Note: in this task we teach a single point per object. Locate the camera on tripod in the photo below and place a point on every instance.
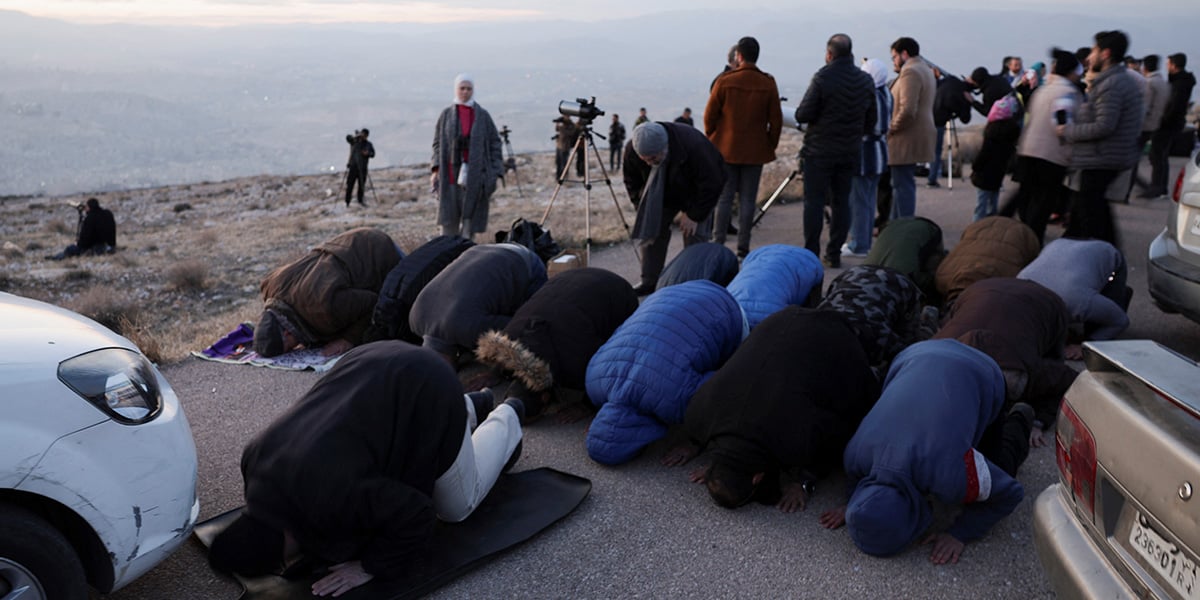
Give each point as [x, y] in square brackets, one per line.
[504, 131]
[584, 108]
[356, 136]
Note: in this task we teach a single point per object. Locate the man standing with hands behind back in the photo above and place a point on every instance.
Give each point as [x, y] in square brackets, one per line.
[743, 119]
[912, 135]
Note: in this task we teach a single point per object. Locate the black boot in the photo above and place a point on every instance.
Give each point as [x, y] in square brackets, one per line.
[484, 402]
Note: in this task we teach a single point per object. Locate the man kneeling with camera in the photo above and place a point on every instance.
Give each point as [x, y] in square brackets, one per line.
[97, 232]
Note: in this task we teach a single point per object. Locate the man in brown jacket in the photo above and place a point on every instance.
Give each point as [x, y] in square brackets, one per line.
[743, 119]
[912, 134]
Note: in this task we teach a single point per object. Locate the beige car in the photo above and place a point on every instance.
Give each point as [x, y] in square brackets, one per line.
[1122, 521]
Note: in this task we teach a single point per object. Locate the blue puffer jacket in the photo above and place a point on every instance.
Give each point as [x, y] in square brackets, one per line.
[773, 277]
[644, 376]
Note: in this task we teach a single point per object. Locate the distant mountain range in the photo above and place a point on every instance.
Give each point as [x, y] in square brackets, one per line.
[101, 107]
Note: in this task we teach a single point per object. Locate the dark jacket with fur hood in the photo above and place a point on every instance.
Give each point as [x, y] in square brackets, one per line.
[551, 338]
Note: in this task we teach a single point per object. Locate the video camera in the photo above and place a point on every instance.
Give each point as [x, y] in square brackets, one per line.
[584, 108]
[504, 131]
[356, 136]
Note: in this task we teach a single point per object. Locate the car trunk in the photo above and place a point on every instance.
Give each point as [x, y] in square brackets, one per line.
[1141, 404]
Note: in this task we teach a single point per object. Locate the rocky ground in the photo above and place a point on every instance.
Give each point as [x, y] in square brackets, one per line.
[191, 256]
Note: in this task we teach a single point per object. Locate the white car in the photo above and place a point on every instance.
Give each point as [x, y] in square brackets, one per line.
[1174, 259]
[97, 462]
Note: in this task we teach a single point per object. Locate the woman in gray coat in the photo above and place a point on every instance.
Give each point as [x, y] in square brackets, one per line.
[466, 162]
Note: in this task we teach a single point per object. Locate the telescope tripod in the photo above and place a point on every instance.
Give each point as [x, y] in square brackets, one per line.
[582, 144]
[510, 163]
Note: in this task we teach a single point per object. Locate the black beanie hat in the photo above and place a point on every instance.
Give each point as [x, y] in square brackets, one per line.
[247, 547]
[1065, 62]
[979, 75]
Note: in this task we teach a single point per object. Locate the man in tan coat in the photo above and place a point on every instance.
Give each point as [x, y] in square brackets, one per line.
[743, 119]
[912, 134]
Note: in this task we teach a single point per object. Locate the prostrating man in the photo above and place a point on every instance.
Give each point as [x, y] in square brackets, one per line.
[1089, 276]
[325, 298]
[361, 153]
[839, 108]
[358, 471]
[1174, 115]
[883, 307]
[670, 169]
[773, 428]
[924, 437]
[911, 134]
[1103, 137]
[743, 119]
[1022, 325]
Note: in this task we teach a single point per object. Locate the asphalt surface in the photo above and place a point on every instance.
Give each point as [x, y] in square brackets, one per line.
[645, 531]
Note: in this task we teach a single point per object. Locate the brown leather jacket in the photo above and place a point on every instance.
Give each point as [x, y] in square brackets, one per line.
[743, 118]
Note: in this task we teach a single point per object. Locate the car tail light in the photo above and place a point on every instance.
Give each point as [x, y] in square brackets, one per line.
[1178, 186]
[1075, 452]
[119, 382]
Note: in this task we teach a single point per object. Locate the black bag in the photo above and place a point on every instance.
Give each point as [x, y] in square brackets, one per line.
[532, 236]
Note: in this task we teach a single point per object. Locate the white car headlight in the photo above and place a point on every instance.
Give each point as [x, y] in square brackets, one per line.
[119, 382]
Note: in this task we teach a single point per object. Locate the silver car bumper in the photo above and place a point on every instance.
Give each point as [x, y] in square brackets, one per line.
[1074, 564]
[1174, 284]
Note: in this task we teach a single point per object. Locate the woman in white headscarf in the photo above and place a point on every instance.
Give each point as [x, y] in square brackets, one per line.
[467, 161]
[874, 161]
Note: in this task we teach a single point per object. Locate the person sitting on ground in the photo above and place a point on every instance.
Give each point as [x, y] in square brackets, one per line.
[926, 437]
[357, 472]
[913, 246]
[708, 260]
[1089, 276]
[642, 378]
[552, 336]
[97, 232]
[883, 307]
[774, 428]
[776, 276]
[1023, 327]
[990, 247]
[480, 291]
[325, 298]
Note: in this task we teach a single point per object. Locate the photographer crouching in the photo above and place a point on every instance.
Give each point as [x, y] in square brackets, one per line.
[97, 232]
[361, 151]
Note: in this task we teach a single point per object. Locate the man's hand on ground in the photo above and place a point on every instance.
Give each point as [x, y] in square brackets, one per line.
[794, 497]
[341, 579]
[680, 454]
[946, 548]
[833, 518]
[1073, 352]
[336, 347]
[699, 474]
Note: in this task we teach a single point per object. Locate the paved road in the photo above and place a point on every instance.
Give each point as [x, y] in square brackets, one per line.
[645, 531]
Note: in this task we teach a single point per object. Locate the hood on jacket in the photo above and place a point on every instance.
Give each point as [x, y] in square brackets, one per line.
[886, 514]
[499, 350]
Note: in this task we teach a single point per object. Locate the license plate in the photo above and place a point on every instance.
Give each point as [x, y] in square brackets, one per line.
[1175, 566]
[1196, 225]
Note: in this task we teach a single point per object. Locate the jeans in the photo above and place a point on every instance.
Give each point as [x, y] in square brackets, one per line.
[904, 191]
[863, 191]
[741, 180]
[827, 175]
[935, 167]
[480, 460]
[985, 203]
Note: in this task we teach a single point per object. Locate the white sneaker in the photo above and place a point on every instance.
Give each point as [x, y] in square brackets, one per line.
[846, 251]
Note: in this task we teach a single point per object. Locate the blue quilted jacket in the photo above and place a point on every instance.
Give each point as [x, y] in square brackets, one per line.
[773, 277]
[644, 376]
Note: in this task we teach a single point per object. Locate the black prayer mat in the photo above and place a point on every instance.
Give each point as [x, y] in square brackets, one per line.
[519, 506]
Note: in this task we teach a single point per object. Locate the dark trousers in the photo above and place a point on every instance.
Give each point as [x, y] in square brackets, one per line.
[355, 175]
[1091, 216]
[614, 157]
[827, 180]
[1006, 442]
[1038, 196]
[741, 181]
[654, 253]
[1160, 157]
[560, 161]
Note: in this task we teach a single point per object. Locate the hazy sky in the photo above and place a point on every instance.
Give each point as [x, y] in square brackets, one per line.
[234, 12]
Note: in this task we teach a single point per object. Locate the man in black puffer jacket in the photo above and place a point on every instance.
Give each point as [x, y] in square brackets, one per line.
[839, 108]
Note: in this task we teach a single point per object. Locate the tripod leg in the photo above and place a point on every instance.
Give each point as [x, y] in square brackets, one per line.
[342, 188]
[558, 188]
[617, 204]
[762, 211]
[371, 184]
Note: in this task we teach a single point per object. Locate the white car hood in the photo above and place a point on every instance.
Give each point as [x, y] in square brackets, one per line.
[34, 332]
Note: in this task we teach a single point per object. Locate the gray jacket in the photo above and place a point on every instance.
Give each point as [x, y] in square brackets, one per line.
[1158, 91]
[457, 204]
[1040, 139]
[1107, 127]
[1077, 270]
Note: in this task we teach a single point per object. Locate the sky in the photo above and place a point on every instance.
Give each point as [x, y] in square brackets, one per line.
[234, 12]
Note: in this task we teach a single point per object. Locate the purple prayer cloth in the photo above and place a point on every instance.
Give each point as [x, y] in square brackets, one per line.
[235, 342]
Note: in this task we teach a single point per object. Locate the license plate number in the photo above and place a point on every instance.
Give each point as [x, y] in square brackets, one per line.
[1168, 560]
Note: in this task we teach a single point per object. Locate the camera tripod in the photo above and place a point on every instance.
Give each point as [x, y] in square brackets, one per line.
[582, 144]
[798, 172]
[510, 160]
[951, 146]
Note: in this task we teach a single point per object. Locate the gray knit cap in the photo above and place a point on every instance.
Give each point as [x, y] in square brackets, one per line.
[649, 139]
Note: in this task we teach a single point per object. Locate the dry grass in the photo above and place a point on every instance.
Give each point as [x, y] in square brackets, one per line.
[188, 276]
[108, 307]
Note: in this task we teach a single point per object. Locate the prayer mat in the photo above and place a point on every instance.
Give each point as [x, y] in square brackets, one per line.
[236, 348]
[519, 506]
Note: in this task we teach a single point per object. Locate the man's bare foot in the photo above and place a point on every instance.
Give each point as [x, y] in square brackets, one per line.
[680, 454]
